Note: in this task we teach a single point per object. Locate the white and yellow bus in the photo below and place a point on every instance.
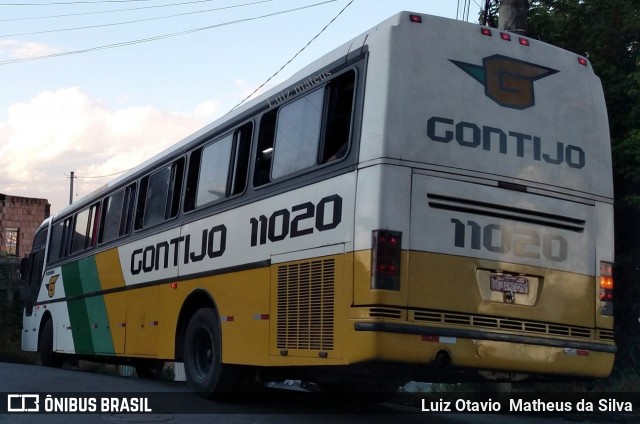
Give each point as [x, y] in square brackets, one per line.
[432, 200]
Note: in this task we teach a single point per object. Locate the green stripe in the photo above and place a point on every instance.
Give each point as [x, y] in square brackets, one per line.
[100, 332]
[88, 316]
[89, 275]
[80, 330]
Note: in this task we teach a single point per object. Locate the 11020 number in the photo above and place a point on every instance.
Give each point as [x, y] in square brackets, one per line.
[523, 242]
[301, 220]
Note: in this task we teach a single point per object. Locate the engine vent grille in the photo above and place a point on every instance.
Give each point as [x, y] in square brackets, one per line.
[378, 312]
[503, 324]
[605, 335]
[305, 311]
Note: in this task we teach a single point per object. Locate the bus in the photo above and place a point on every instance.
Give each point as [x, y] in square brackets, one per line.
[430, 201]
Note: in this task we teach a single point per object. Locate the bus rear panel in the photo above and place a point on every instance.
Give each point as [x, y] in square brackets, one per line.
[487, 157]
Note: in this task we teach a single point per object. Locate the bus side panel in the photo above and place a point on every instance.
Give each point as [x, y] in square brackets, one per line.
[111, 278]
[308, 306]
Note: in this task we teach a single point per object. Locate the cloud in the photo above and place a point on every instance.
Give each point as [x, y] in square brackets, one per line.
[66, 130]
[208, 110]
[24, 49]
[247, 89]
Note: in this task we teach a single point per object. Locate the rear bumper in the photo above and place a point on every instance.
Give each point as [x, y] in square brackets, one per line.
[422, 345]
[481, 335]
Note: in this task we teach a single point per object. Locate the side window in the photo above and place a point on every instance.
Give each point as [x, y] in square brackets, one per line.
[219, 170]
[111, 215]
[59, 240]
[84, 234]
[298, 134]
[214, 171]
[265, 148]
[159, 196]
[311, 130]
[339, 117]
[117, 212]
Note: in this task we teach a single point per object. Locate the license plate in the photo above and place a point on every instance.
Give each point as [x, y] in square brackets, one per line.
[508, 283]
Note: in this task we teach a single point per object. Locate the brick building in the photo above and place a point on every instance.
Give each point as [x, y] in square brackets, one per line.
[20, 217]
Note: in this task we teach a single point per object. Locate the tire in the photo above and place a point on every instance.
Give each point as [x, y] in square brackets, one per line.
[48, 357]
[150, 369]
[206, 375]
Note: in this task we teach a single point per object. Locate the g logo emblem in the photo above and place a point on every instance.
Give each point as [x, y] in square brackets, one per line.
[507, 81]
[51, 285]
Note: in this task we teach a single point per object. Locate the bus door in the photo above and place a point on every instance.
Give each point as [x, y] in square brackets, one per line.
[31, 272]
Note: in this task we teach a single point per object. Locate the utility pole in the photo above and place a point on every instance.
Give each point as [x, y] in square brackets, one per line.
[71, 187]
[512, 16]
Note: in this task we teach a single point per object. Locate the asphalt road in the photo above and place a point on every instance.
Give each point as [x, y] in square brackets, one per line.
[170, 399]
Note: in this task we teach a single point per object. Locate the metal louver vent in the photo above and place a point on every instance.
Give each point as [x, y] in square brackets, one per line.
[305, 317]
[505, 324]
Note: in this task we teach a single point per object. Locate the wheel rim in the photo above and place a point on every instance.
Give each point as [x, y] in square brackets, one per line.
[203, 358]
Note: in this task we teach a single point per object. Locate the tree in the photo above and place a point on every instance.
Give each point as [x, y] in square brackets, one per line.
[607, 32]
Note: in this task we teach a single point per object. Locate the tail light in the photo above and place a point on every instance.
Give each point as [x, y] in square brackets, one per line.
[606, 288]
[385, 259]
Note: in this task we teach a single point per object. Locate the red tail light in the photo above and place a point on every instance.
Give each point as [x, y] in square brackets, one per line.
[385, 259]
[606, 288]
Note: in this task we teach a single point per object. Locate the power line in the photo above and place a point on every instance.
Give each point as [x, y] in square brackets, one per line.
[134, 21]
[107, 11]
[73, 2]
[158, 37]
[294, 56]
[99, 176]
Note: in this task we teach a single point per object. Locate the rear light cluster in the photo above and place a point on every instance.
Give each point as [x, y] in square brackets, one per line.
[522, 40]
[606, 281]
[503, 35]
[385, 259]
[606, 287]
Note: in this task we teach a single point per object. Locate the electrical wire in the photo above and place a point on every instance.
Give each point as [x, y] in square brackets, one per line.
[294, 56]
[106, 11]
[134, 21]
[98, 176]
[60, 3]
[159, 37]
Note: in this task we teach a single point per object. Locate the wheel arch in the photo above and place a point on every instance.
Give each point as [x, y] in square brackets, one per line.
[45, 317]
[197, 299]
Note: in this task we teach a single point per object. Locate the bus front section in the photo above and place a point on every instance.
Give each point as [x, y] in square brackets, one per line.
[484, 209]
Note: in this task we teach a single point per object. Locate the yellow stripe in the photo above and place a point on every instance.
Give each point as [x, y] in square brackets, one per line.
[110, 275]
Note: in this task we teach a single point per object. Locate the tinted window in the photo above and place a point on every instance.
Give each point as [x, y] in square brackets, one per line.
[112, 214]
[214, 171]
[58, 242]
[308, 131]
[156, 197]
[80, 231]
[219, 170]
[84, 234]
[298, 134]
[159, 195]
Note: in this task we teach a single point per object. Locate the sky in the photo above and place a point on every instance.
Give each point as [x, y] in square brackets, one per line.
[71, 101]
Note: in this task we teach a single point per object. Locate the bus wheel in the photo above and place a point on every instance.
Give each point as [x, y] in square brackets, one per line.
[149, 368]
[48, 357]
[206, 375]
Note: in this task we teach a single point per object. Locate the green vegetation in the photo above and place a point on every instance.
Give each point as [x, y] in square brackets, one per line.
[607, 32]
